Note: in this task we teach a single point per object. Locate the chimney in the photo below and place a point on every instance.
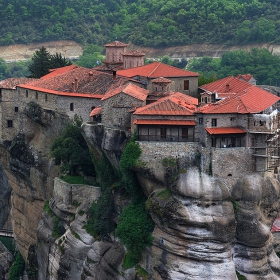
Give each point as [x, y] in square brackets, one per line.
[76, 84]
[73, 86]
[227, 87]
[90, 75]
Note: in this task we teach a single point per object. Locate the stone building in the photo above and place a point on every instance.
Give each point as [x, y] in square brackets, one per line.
[182, 80]
[248, 119]
[118, 103]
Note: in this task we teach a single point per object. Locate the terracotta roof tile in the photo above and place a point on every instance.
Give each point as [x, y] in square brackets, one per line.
[59, 71]
[96, 111]
[11, 83]
[130, 89]
[226, 86]
[62, 93]
[166, 122]
[155, 70]
[253, 100]
[225, 130]
[246, 77]
[175, 104]
[79, 80]
[116, 44]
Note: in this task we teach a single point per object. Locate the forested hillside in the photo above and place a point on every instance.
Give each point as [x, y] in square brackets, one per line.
[143, 22]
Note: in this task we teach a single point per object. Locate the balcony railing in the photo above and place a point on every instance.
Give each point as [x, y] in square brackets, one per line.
[166, 138]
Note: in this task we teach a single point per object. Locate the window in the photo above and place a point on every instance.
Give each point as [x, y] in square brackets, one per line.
[46, 97]
[26, 93]
[71, 106]
[163, 132]
[16, 109]
[186, 84]
[214, 122]
[200, 120]
[9, 123]
[184, 132]
[232, 119]
[36, 95]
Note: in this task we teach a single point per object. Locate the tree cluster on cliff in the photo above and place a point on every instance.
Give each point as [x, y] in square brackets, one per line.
[143, 22]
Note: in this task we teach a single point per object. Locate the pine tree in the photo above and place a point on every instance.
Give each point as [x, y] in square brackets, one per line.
[40, 64]
[42, 61]
[57, 60]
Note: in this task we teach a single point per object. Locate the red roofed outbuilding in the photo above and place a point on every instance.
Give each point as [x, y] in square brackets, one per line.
[181, 80]
[170, 118]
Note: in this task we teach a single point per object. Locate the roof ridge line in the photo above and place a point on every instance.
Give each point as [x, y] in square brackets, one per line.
[154, 69]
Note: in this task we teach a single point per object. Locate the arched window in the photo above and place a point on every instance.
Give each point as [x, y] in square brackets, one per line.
[71, 106]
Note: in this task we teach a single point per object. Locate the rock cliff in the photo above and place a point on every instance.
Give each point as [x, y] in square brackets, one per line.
[204, 227]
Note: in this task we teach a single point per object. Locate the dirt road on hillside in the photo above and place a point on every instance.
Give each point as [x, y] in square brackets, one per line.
[71, 49]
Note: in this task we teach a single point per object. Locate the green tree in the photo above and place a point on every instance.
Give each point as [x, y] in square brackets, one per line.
[57, 61]
[70, 151]
[134, 229]
[40, 63]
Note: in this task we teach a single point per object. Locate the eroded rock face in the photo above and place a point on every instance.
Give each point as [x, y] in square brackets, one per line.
[6, 260]
[30, 172]
[103, 261]
[195, 225]
[5, 194]
[256, 202]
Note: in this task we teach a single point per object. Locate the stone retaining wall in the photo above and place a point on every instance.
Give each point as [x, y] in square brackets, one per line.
[69, 193]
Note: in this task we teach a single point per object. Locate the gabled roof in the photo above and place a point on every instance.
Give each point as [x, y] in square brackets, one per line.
[59, 71]
[77, 79]
[155, 70]
[116, 44]
[11, 83]
[225, 130]
[252, 100]
[246, 77]
[226, 86]
[176, 104]
[130, 89]
[95, 111]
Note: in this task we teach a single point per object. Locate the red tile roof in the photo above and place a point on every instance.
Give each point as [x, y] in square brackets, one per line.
[133, 53]
[130, 89]
[166, 122]
[96, 111]
[246, 77]
[77, 79]
[175, 104]
[11, 83]
[116, 44]
[226, 85]
[62, 93]
[59, 71]
[253, 100]
[225, 130]
[155, 70]
[276, 225]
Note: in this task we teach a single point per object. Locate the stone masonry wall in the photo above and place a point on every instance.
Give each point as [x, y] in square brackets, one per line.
[231, 163]
[228, 164]
[117, 107]
[63, 191]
